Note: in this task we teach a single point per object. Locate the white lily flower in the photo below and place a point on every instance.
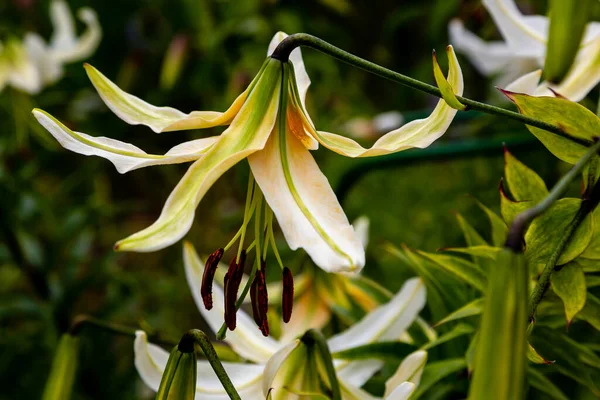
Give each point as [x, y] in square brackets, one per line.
[523, 52]
[269, 126]
[266, 355]
[32, 64]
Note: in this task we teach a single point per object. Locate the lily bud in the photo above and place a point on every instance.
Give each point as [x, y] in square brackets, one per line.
[568, 20]
[64, 366]
[209, 275]
[500, 363]
[232, 284]
[179, 378]
[287, 295]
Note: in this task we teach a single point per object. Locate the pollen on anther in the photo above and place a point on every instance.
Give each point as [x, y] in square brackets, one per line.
[208, 276]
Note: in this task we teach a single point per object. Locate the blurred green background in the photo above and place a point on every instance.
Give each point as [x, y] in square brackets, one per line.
[61, 212]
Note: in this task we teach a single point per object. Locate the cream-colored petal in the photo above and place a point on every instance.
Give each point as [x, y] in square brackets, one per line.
[125, 157]
[410, 370]
[361, 227]
[386, 322]
[419, 133]
[525, 35]
[302, 79]
[310, 312]
[274, 364]
[357, 372]
[352, 392]
[246, 339]
[402, 392]
[583, 76]
[305, 205]
[65, 46]
[151, 360]
[527, 83]
[21, 71]
[247, 134]
[135, 111]
[50, 70]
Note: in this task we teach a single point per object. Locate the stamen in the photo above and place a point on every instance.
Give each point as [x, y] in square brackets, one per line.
[207, 278]
[232, 285]
[263, 299]
[272, 237]
[287, 295]
[254, 301]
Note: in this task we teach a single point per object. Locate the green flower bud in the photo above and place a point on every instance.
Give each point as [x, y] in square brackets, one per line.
[179, 378]
[62, 374]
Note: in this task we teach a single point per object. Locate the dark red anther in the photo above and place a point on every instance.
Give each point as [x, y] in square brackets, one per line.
[287, 295]
[232, 285]
[254, 301]
[209, 275]
[263, 300]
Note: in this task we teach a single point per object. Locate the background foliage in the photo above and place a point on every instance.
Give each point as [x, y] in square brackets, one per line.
[60, 213]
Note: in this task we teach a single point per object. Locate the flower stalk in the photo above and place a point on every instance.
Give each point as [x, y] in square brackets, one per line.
[283, 50]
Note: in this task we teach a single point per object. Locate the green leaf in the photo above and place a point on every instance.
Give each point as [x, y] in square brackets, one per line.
[591, 311]
[470, 354]
[499, 228]
[573, 119]
[545, 385]
[472, 237]
[546, 232]
[460, 268]
[510, 208]
[592, 281]
[569, 284]
[488, 252]
[524, 184]
[457, 331]
[64, 367]
[393, 351]
[435, 372]
[592, 251]
[535, 357]
[468, 310]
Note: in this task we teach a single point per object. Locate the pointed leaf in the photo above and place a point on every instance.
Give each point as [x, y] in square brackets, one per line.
[545, 385]
[535, 357]
[569, 284]
[468, 310]
[435, 372]
[461, 268]
[458, 331]
[524, 184]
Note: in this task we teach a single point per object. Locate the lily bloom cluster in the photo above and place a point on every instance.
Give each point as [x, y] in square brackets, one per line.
[32, 64]
[521, 54]
[282, 368]
[270, 127]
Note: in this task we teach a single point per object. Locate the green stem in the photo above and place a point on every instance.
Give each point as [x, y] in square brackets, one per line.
[283, 50]
[517, 229]
[200, 338]
[313, 337]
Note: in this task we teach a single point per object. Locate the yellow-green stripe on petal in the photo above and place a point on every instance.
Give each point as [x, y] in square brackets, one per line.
[135, 111]
[247, 134]
[445, 88]
[124, 156]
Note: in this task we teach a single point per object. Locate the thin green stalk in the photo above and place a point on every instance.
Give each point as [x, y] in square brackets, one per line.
[286, 46]
[517, 228]
[313, 337]
[200, 338]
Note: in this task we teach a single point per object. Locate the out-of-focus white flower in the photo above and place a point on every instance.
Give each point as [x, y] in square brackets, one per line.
[269, 357]
[31, 64]
[365, 128]
[521, 54]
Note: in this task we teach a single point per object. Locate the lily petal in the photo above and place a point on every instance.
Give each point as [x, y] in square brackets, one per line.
[125, 157]
[151, 360]
[524, 34]
[402, 392]
[246, 339]
[21, 72]
[419, 133]
[410, 370]
[50, 70]
[305, 205]
[386, 322]
[247, 134]
[64, 44]
[527, 83]
[274, 364]
[583, 76]
[310, 312]
[136, 111]
[302, 79]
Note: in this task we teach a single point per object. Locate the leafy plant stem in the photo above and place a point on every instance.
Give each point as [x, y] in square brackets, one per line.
[283, 50]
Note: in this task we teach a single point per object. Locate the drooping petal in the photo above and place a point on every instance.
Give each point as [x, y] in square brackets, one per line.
[151, 360]
[527, 83]
[65, 46]
[350, 391]
[246, 339]
[125, 157]
[410, 370]
[525, 35]
[273, 366]
[310, 312]
[136, 111]
[402, 392]
[583, 76]
[247, 134]
[50, 70]
[419, 133]
[386, 322]
[305, 205]
[302, 79]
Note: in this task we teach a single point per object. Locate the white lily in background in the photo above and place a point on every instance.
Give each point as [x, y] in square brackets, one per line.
[32, 64]
[385, 323]
[268, 125]
[521, 54]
